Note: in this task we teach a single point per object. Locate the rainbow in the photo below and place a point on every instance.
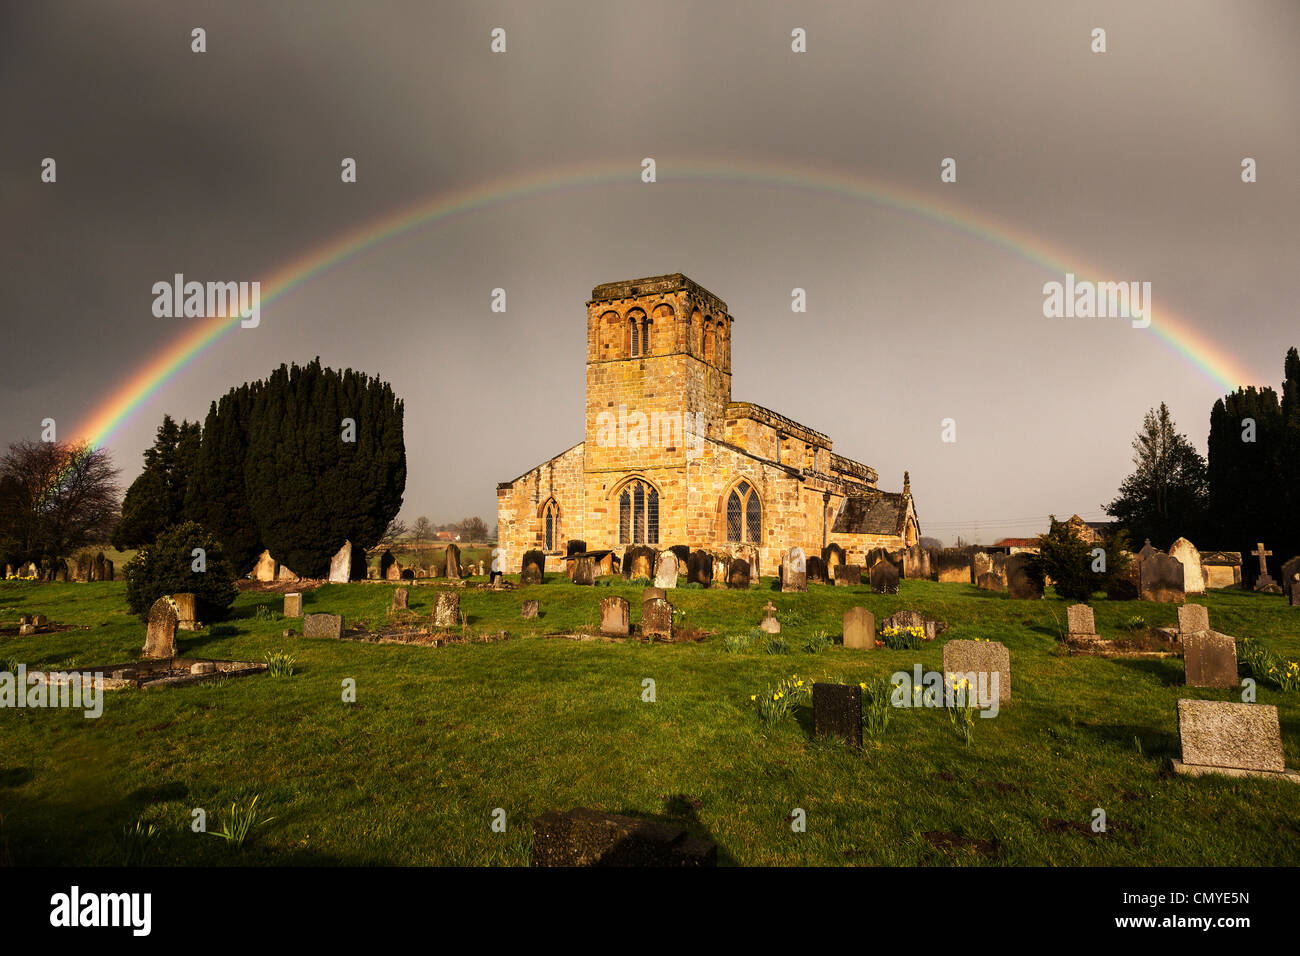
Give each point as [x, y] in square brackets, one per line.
[1176, 331]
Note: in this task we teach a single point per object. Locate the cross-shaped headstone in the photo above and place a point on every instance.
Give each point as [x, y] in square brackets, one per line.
[771, 611]
[1262, 554]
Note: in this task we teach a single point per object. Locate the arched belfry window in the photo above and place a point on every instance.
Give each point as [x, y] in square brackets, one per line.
[551, 525]
[638, 329]
[744, 515]
[638, 513]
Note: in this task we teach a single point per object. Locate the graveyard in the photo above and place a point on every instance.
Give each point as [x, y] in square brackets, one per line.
[536, 714]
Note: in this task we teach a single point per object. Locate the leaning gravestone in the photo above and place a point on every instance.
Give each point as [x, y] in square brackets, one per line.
[848, 575]
[341, 565]
[980, 657]
[884, 578]
[1193, 572]
[1162, 579]
[529, 610]
[815, 569]
[859, 629]
[160, 637]
[452, 565]
[293, 604]
[794, 570]
[738, 574]
[322, 625]
[614, 616]
[399, 599]
[187, 616]
[1021, 585]
[657, 619]
[446, 611]
[1238, 740]
[1210, 659]
[386, 564]
[584, 571]
[1193, 618]
[666, 570]
[585, 837]
[699, 568]
[533, 568]
[263, 570]
[1080, 621]
[837, 712]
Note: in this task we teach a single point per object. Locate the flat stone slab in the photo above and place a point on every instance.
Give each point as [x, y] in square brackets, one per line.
[980, 657]
[1218, 735]
[322, 625]
[586, 837]
[152, 674]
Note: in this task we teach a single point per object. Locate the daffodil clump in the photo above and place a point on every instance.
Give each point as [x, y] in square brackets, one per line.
[907, 638]
[960, 700]
[1266, 667]
[777, 703]
[876, 707]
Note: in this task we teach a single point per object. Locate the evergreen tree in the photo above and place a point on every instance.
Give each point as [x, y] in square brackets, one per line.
[1245, 499]
[217, 498]
[156, 499]
[1166, 495]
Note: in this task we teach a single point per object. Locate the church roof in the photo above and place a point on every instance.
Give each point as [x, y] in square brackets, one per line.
[882, 513]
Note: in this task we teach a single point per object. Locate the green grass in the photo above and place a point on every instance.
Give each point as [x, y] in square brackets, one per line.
[439, 738]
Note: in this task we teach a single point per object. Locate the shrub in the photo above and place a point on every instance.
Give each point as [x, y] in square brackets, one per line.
[1067, 559]
[167, 567]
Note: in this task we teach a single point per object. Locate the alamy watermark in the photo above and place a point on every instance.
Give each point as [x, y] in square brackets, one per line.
[657, 429]
[196, 300]
[919, 688]
[41, 689]
[1083, 299]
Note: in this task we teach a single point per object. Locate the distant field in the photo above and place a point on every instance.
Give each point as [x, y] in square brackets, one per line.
[439, 738]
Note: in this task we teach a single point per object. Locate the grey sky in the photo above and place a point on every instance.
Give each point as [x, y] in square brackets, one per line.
[225, 165]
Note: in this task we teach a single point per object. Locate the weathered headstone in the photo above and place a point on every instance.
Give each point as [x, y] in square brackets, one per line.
[657, 619]
[909, 618]
[264, 570]
[584, 572]
[860, 629]
[815, 570]
[1193, 572]
[884, 578]
[187, 615]
[848, 575]
[399, 599]
[533, 568]
[446, 610]
[452, 563]
[1162, 579]
[1289, 571]
[1264, 583]
[837, 712]
[699, 568]
[989, 581]
[1210, 659]
[1222, 568]
[1193, 618]
[284, 574]
[980, 657]
[738, 573]
[980, 563]
[794, 570]
[293, 604]
[585, 837]
[953, 566]
[389, 567]
[200, 668]
[747, 552]
[1021, 585]
[341, 565]
[97, 567]
[666, 570]
[832, 556]
[649, 593]
[1225, 737]
[614, 617]
[160, 637]
[529, 610]
[322, 625]
[1080, 621]
[769, 623]
[638, 562]
[1295, 590]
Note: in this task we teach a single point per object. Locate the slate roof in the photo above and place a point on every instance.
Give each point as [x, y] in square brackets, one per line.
[882, 513]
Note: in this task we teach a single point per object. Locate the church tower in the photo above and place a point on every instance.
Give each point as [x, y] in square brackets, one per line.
[658, 361]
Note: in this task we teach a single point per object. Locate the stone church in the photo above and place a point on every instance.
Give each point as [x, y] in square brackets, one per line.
[669, 459]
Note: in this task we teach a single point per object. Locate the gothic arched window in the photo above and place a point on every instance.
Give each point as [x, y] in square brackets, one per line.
[638, 514]
[744, 515]
[550, 525]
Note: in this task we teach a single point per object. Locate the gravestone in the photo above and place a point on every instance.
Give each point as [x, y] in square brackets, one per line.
[1021, 585]
[649, 593]
[1193, 572]
[916, 563]
[614, 618]
[584, 572]
[815, 570]
[980, 563]
[683, 554]
[1238, 740]
[533, 568]
[769, 623]
[837, 712]
[980, 657]
[187, 616]
[199, 668]
[1295, 590]
[908, 618]
[699, 568]
[721, 569]
[738, 574]
[860, 629]
[1192, 618]
[638, 562]
[530, 609]
[574, 546]
[160, 637]
[451, 564]
[1080, 621]
[1289, 572]
[1222, 568]
[341, 565]
[666, 570]
[293, 604]
[1210, 659]
[990, 582]
[747, 552]
[832, 557]
[322, 625]
[1161, 579]
[848, 575]
[263, 570]
[399, 599]
[884, 578]
[953, 566]
[446, 610]
[585, 837]
[794, 570]
[97, 567]
[1264, 583]
[386, 564]
[81, 569]
[284, 574]
[395, 571]
[657, 619]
